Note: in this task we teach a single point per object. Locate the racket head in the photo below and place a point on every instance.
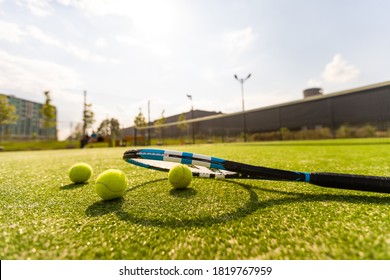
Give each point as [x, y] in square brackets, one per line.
[213, 167]
[163, 160]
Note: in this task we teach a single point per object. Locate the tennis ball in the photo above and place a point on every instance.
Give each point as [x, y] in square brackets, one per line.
[80, 172]
[180, 176]
[111, 184]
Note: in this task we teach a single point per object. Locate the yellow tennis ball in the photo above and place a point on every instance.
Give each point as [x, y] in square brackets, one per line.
[111, 184]
[80, 172]
[180, 176]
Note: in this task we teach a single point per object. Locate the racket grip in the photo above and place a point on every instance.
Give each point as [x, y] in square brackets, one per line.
[351, 182]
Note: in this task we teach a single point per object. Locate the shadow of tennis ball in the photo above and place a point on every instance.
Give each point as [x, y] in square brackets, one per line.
[183, 193]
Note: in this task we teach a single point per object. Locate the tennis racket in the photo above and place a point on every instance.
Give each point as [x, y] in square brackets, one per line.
[213, 167]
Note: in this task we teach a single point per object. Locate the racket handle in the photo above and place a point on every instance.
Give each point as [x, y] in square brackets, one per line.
[351, 182]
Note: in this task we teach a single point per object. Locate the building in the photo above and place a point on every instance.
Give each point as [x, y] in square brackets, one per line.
[368, 105]
[30, 123]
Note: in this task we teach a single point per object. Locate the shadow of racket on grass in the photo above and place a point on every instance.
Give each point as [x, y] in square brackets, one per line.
[101, 208]
[180, 193]
[252, 205]
[346, 197]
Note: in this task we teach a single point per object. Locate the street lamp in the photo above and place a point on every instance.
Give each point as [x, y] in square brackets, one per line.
[192, 116]
[243, 107]
[149, 137]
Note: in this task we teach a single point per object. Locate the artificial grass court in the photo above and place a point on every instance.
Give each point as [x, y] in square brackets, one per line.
[44, 216]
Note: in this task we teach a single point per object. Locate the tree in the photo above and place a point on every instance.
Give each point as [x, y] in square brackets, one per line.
[104, 128]
[109, 128]
[77, 133]
[7, 112]
[160, 130]
[140, 121]
[182, 125]
[48, 112]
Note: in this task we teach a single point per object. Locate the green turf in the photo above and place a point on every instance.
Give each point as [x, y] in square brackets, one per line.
[44, 216]
[45, 145]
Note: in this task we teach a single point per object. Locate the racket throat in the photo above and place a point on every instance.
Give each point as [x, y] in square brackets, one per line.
[264, 173]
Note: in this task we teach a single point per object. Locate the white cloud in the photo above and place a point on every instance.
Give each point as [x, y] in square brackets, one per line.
[336, 71]
[339, 70]
[237, 42]
[76, 51]
[33, 76]
[101, 43]
[15, 33]
[11, 32]
[97, 7]
[39, 8]
[153, 26]
[156, 48]
[150, 16]
[130, 41]
[314, 83]
[86, 55]
[38, 34]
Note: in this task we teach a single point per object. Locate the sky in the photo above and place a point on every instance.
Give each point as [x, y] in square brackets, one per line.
[126, 54]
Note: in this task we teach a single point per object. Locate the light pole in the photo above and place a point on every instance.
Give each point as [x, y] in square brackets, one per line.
[243, 107]
[192, 116]
[84, 112]
[149, 139]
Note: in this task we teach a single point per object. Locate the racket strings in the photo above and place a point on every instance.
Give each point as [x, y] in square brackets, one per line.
[197, 170]
[204, 166]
